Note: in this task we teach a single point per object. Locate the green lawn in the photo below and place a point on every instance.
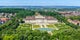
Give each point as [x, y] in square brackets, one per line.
[36, 26]
[24, 26]
[50, 26]
[62, 26]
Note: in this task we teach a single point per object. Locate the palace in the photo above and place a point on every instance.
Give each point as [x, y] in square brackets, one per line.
[39, 19]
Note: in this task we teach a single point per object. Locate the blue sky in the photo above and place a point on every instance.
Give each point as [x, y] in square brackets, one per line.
[39, 2]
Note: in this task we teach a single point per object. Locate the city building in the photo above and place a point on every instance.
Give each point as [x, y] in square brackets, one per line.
[3, 20]
[69, 13]
[76, 22]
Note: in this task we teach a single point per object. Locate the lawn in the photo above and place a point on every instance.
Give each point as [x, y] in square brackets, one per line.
[24, 26]
[36, 26]
[50, 26]
[62, 26]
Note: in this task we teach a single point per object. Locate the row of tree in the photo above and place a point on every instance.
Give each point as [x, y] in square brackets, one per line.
[75, 18]
[10, 10]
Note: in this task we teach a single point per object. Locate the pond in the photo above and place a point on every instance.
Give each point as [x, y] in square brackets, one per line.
[45, 29]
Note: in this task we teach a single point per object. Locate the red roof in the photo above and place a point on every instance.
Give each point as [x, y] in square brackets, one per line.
[4, 19]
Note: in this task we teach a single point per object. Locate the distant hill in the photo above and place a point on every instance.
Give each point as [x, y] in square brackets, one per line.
[39, 6]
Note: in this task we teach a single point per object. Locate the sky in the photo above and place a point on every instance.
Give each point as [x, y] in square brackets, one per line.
[39, 2]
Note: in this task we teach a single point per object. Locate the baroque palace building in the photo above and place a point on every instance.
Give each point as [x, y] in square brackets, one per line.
[39, 19]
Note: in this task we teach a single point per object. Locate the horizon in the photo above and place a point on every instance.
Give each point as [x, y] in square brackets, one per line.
[49, 6]
[39, 3]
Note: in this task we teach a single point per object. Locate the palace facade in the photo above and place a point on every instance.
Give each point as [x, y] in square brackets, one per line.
[39, 19]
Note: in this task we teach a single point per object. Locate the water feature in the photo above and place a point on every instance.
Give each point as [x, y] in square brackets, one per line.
[46, 29]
